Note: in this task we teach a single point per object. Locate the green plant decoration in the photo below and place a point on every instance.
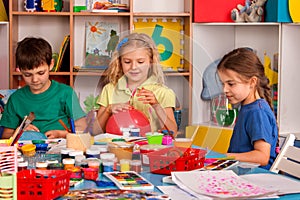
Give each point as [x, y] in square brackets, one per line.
[91, 103]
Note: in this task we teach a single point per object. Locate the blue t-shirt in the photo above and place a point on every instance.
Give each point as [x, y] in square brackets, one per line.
[255, 121]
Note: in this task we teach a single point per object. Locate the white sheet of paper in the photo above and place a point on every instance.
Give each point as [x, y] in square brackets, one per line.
[218, 184]
[285, 185]
[175, 193]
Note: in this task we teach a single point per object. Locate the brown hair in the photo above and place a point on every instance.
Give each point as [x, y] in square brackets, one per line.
[32, 52]
[246, 63]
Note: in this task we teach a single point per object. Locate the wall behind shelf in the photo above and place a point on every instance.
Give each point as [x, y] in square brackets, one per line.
[213, 40]
[4, 60]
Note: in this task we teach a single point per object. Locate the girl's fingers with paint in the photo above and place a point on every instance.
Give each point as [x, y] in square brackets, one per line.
[147, 97]
[121, 107]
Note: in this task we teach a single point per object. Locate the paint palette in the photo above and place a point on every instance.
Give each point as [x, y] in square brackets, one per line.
[129, 180]
[221, 164]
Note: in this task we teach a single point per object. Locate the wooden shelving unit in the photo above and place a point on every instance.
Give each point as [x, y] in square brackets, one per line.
[53, 26]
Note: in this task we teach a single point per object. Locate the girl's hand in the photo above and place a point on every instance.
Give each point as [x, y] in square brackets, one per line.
[147, 97]
[121, 107]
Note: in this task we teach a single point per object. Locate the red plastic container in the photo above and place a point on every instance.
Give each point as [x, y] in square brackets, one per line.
[146, 149]
[214, 10]
[171, 159]
[42, 184]
[90, 173]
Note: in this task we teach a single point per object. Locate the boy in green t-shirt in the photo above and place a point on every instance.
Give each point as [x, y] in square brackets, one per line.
[49, 100]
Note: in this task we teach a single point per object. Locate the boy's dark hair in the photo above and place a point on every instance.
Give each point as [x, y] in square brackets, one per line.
[32, 52]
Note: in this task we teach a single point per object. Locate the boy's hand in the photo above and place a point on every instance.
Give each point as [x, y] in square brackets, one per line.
[147, 97]
[56, 134]
[31, 127]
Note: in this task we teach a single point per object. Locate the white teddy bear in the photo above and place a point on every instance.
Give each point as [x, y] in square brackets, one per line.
[251, 12]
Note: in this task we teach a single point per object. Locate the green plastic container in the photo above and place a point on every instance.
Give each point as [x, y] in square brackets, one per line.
[154, 138]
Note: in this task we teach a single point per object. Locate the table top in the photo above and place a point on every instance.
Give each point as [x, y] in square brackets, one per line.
[156, 179]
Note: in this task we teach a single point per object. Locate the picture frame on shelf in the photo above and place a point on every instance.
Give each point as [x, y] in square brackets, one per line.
[101, 40]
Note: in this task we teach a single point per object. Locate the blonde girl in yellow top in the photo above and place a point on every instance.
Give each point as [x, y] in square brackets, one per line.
[136, 80]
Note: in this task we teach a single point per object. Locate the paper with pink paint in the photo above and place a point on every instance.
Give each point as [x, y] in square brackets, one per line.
[219, 184]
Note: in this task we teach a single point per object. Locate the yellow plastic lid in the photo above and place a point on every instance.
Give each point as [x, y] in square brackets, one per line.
[28, 147]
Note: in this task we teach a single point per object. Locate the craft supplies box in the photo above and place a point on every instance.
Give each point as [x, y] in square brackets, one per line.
[277, 11]
[8, 187]
[42, 184]
[171, 159]
[8, 159]
[214, 10]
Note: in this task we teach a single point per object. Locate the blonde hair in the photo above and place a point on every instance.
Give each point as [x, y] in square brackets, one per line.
[128, 44]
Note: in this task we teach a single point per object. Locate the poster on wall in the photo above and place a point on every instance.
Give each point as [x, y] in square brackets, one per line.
[168, 35]
[100, 41]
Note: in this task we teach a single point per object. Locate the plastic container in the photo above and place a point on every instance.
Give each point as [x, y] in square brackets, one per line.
[28, 149]
[154, 138]
[74, 153]
[167, 140]
[8, 187]
[124, 165]
[68, 163]
[76, 173]
[41, 147]
[42, 184]
[79, 159]
[108, 166]
[8, 159]
[90, 173]
[92, 153]
[122, 150]
[93, 163]
[146, 149]
[135, 132]
[65, 153]
[136, 165]
[107, 156]
[38, 141]
[22, 165]
[55, 166]
[171, 159]
[183, 142]
[41, 165]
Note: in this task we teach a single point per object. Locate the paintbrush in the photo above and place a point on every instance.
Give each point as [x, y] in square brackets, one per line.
[19, 131]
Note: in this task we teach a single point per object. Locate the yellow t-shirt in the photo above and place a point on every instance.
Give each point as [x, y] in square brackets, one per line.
[121, 94]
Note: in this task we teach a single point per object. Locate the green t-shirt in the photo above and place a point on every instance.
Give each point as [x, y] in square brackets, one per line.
[121, 94]
[58, 102]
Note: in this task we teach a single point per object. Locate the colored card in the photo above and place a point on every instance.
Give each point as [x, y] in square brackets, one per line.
[129, 180]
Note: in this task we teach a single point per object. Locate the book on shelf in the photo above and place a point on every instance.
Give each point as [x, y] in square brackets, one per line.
[168, 34]
[100, 42]
[63, 60]
[106, 6]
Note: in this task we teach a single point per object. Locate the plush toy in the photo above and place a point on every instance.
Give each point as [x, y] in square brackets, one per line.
[251, 12]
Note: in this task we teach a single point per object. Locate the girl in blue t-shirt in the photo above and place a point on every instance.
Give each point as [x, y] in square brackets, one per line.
[244, 82]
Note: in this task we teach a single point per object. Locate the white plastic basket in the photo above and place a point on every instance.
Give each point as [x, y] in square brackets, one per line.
[8, 159]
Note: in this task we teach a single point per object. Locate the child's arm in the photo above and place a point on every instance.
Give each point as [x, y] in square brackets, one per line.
[165, 115]
[80, 125]
[7, 133]
[100, 122]
[260, 154]
[166, 118]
